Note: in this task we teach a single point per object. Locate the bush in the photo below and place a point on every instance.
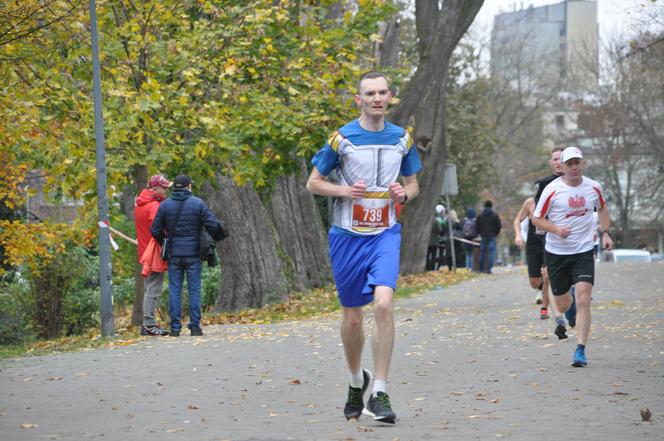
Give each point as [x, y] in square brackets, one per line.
[83, 299]
[123, 292]
[14, 313]
[64, 295]
[211, 277]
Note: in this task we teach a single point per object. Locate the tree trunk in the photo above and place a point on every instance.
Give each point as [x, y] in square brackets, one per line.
[49, 292]
[439, 30]
[295, 216]
[252, 272]
[387, 50]
[140, 180]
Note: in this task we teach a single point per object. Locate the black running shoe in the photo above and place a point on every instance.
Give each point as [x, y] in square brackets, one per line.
[355, 402]
[153, 330]
[379, 408]
[175, 332]
[560, 331]
[196, 331]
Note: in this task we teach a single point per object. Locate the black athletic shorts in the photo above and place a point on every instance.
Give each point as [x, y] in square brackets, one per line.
[568, 269]
[535, 259]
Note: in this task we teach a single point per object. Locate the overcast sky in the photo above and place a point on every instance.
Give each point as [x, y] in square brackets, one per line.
[615, 17]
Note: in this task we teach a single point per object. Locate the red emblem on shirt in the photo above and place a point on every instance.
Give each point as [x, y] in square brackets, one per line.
[577, 202]
[577, 205]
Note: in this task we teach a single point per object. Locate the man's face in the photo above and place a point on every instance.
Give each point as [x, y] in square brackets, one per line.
[574, 167]
[555, 164]
[374, 97]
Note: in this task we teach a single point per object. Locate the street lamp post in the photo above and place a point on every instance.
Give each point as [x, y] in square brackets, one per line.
[107, 322]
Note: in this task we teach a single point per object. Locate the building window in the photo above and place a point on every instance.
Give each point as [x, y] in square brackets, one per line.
[560, 122]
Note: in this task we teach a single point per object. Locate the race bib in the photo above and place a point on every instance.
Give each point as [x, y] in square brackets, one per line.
[371, 213]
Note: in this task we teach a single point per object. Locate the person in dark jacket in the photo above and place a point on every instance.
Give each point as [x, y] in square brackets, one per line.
[180, 218]
[435, 250]
[488, 226]
[469, 232]
[145, 210]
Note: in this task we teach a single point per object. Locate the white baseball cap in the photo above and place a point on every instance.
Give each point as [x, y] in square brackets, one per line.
[570, 153]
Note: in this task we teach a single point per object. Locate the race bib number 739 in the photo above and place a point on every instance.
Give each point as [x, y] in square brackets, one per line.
[371, 213]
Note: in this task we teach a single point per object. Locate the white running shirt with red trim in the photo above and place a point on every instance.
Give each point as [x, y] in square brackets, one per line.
[572, 206]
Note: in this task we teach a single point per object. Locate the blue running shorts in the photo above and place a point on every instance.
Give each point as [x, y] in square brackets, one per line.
[360, 263]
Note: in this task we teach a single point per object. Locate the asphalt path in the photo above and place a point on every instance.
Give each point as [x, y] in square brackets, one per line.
[471, 362]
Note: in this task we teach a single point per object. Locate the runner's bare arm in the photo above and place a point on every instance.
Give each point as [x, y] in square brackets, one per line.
[604, 225]
[412, 187]
[525, 210]
[318, 184]
[402, 193]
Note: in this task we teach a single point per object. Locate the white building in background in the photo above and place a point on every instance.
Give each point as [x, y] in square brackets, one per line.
[552, 53]
[548, 46]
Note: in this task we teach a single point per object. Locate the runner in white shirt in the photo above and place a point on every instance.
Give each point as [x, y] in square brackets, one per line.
[569, 202]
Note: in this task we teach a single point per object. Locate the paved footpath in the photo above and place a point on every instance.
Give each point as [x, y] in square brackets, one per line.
[471, 362]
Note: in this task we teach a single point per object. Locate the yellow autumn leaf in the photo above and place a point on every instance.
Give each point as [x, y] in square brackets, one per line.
[230, 67]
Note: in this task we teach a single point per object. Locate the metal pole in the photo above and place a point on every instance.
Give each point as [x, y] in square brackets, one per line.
[105, 274]
[449, 228]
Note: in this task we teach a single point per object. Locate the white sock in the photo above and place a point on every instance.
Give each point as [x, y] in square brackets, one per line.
[379, 386]
[357, 379]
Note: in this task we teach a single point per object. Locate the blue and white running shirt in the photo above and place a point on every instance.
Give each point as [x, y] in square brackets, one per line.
[376, 157]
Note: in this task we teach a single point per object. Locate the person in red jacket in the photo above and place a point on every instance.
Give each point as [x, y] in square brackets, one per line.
[145, 210]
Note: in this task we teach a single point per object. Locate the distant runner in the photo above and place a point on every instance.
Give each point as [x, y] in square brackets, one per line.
[565, 211]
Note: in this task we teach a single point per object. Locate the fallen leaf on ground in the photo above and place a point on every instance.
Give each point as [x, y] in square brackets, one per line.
[645, 414]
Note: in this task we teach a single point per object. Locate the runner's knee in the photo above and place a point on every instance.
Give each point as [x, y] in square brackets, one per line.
[583, 295]
[383, 307]
[352, 317]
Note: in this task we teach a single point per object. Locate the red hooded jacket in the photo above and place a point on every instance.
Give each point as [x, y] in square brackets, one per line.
[147, 204]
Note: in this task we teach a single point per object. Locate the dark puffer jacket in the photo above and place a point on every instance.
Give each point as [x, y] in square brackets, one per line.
[487, 223]
[186, 241]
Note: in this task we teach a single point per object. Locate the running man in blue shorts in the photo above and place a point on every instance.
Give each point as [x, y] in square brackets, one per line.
[368, 155]
[565, 211]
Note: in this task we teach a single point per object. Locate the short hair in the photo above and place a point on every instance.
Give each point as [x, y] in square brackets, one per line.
[488, 204]
[557, 149]
[369, 76]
